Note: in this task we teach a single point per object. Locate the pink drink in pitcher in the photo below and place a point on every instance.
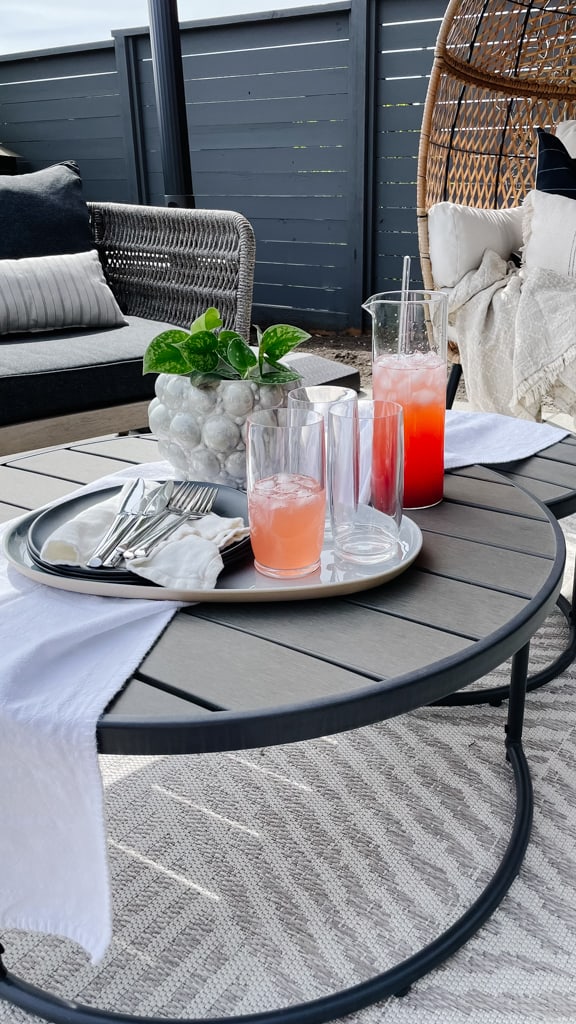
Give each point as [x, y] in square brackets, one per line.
[417, 381]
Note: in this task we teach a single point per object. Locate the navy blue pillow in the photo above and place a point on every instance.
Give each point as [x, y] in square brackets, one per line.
[43, 213]
[555, 170]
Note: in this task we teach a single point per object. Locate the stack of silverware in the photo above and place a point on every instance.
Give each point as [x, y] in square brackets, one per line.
[147, 517]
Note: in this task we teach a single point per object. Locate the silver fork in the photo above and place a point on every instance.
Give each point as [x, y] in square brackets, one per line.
[194, 501]
[183, 491]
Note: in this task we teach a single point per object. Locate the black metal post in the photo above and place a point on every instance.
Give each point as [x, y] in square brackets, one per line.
[170, 102]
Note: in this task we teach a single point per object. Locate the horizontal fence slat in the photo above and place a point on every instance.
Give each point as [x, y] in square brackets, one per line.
[328, 299]
[409, 35]
[303, 253]
[405, 64]
[327, 133]
[390, 170]
[76, 128]
[301, 230]
[282, 185]
[272, 162]
[235, 87]
[398, 92]
[402, 116]
[83, 107]
[50, 151]
[279, 31]
[47, 89]
[267, 112]
[327, 55]
[306, 277]
[393, 144]
[269, 313]
[395, 219]
[84, 62]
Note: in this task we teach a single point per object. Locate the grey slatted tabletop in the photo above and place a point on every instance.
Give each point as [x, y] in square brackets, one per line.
[227, 676]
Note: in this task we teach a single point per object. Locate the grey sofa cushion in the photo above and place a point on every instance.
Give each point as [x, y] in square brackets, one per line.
[43, 213]
[65, 372]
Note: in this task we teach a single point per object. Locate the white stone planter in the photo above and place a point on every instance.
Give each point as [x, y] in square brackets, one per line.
[202, 431]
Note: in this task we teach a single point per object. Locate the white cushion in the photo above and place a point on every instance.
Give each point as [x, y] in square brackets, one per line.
[566, 132]
[550, 232]
[47, 293]
[459, 236]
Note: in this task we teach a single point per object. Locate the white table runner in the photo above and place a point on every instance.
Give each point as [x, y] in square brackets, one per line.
[63, 659]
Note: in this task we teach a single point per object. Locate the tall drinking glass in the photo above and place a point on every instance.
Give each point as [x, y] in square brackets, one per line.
[409, 338]
[285, 463]
[321, 397]
[365, 483]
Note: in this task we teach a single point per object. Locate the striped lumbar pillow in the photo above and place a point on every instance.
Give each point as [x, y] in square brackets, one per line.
[47, 293]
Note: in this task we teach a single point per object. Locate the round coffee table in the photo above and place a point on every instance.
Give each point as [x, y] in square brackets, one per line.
[228, 676]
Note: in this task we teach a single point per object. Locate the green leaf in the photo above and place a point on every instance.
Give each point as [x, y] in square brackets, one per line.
[224, 339]
[241, 356]
[209, 320]
[278, 377]
[280, 339]
[163, 354]
[200, 379]
[200, 351]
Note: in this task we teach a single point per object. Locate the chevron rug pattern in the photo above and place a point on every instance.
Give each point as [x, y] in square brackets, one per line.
[250, 880]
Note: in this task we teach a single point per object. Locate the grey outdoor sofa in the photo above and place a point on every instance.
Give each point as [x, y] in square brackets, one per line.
[164, 266]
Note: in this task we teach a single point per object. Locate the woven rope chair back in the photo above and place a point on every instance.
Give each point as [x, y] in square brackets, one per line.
[501, 69]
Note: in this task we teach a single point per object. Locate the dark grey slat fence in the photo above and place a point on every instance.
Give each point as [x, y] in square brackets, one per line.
[307, 122]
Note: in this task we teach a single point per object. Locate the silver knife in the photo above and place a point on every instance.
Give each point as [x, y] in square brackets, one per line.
[133, 500]
[152, 515]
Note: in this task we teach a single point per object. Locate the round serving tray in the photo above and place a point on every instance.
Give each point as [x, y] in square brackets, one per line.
[237, 582]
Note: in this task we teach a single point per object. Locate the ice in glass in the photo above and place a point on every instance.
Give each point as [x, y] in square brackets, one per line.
[418, 383]
[286, 490]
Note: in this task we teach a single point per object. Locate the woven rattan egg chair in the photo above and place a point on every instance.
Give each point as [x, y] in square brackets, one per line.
[501, 68]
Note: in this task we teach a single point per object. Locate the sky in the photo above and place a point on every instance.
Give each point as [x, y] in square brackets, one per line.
[36, 24]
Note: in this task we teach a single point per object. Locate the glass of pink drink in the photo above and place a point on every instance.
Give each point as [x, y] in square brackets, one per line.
[409, 333]
[286, 490]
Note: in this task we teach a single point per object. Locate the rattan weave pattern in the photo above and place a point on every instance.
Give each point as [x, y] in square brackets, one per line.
[169, 264]
[501, 69]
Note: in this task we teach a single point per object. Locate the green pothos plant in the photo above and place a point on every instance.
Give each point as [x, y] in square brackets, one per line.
[208, 353]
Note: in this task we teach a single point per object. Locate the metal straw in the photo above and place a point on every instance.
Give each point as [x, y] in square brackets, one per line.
[404, 298]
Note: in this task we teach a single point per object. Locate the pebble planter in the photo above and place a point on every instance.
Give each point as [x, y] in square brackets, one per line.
[202, 431]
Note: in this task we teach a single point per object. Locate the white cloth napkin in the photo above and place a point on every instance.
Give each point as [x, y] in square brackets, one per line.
[486, 437]
[189, 559]
[64, 657]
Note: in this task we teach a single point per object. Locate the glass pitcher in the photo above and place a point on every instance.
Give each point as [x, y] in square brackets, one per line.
[409, 341]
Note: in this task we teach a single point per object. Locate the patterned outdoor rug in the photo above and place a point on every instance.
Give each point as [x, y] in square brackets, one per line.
[252, 880]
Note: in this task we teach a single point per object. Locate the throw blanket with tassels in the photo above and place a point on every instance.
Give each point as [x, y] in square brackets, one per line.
[516, 332]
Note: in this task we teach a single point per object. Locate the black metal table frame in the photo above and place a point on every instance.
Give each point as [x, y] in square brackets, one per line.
[302, 722]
